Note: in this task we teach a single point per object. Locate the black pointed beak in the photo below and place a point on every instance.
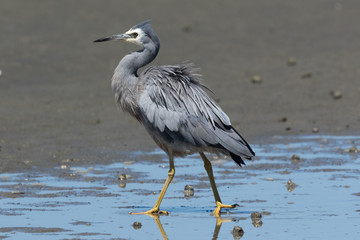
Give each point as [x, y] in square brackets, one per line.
[114, 37]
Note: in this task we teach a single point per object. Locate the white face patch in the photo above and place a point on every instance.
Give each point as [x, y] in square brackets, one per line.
[137, 35]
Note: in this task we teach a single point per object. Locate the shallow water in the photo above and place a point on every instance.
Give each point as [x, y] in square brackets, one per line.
[89, 202]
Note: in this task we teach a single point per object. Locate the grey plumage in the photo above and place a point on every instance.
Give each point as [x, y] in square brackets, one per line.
[171, 102]
[181, 116]
[174, 108]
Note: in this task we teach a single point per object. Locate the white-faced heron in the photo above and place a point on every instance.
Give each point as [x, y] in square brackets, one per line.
[171, 103]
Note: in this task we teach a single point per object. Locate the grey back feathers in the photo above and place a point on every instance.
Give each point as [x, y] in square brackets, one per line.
[174, 103]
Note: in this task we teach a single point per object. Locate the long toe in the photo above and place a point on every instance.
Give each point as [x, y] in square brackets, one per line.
[219, 206]
[152, 212]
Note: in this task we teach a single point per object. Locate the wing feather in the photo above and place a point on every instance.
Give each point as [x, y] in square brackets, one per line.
[173, 101]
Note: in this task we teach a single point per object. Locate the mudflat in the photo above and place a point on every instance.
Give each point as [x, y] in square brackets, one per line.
[276, 67]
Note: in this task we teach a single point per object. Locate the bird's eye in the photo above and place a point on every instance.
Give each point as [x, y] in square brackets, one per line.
[134, 35]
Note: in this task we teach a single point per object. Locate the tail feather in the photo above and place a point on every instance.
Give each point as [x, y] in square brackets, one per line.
[236, 145]
[237, 159]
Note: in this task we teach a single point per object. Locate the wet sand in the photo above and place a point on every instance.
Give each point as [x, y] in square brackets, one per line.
[56, 101]
[312, 196]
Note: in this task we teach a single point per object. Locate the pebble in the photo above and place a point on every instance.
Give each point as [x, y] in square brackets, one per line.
[257, 222]
[67, 160]
[17, 192]
[256, 219]
[266, 213]
[269, 179]
[282, 119]
[137, 225]
[295, 159]
[315, 130]
[122, 177]
[64, 167]
[353, 149]
[188, 191]
[27, 162]
[256, 215]
[336, 94]
[285, 172]
[237, 232]
[128, 162]
[306, 75]
[290, 185]
[256, 79]
[81, 171]
[291, 61]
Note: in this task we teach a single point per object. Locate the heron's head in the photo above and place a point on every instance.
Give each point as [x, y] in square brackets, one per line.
[139, 34]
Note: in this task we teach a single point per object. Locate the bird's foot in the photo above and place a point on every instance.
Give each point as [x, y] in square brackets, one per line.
[153, 211]
[219, 206]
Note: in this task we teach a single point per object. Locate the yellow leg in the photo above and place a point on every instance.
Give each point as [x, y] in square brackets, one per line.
[219, 205]
[171, 173]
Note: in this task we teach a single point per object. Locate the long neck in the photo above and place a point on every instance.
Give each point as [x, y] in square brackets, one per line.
[125, 79]
[130, 64]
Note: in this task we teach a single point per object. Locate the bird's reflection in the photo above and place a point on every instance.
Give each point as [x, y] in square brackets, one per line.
[218, 224]
[159, 225]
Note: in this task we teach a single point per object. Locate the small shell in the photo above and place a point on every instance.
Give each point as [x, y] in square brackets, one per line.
[237, 232]
[290, 185]
[122, 177]
[256, 79]
[315, 130]
[336, 94]
[137, 225]
[353, 149]
[188, 191]
[291, 61]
